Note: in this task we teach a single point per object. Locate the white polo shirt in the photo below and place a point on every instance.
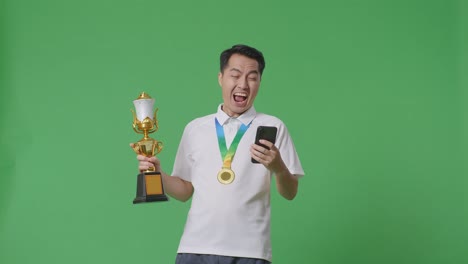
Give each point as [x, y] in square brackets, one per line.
[234, 219]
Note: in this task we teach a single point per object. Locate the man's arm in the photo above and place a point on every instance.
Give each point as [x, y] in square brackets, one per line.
[174, 186]
[286, 183]
[180, 189]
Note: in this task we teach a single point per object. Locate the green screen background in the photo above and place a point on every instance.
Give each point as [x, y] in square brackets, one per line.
[374, 94]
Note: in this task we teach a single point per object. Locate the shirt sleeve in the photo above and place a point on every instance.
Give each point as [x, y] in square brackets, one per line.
[288, 152]
[182, 162]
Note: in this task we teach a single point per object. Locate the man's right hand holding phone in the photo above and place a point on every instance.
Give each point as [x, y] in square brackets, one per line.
[269, 155]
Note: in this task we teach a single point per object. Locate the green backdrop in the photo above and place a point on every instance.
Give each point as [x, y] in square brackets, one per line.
[374, 94]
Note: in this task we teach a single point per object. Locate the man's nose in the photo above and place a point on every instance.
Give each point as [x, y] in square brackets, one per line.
[242, 83]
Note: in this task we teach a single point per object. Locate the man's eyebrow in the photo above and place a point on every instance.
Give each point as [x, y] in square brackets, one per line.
[237, 70]
[250, 72]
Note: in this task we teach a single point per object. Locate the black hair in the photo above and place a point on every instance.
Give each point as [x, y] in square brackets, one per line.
[244, 50]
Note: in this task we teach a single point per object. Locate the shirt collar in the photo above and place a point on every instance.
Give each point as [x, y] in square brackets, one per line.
[245, 118]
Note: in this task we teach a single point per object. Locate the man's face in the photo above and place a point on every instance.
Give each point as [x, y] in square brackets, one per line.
[239, 82]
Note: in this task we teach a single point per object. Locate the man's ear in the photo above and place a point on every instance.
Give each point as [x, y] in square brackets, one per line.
[220, 76]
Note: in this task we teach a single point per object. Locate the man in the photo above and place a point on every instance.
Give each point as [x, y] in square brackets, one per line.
[229, 218]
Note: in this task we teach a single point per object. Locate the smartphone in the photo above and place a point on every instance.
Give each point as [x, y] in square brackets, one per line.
[267, 133]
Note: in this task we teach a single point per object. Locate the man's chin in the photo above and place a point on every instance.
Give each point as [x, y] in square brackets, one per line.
[235, 109]
[241, 110]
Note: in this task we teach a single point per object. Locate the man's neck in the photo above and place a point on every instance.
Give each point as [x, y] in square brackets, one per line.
[234, 115]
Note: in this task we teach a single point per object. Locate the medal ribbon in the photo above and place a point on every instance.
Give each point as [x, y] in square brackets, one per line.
[228, 155]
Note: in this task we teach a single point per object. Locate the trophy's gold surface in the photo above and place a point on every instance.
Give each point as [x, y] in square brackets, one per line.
[149, 186]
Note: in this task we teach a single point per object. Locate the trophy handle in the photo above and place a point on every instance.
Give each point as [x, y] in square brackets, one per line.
[157, 147]
[156, 126]
[155, 123]
[136, 130]
[135, 123]
[136, 148]
[134, 116]
[154, 129]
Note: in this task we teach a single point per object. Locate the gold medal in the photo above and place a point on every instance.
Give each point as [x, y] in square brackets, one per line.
[226, 176]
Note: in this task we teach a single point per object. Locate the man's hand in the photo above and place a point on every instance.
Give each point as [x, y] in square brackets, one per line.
[270, 158]
[144, 163]
[286, 183]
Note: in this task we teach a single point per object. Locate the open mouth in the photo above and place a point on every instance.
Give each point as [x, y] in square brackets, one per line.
[240, 97]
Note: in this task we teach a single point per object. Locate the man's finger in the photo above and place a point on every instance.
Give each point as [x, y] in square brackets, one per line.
[142, 158]
[266, 143]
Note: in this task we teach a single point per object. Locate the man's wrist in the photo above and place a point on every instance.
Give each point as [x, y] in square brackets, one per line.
[282, 171]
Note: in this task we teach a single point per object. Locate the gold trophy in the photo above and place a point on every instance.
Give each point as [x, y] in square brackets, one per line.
[149, 183]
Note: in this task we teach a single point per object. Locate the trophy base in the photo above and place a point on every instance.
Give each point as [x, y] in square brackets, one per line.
[150, 188]
[150, 198]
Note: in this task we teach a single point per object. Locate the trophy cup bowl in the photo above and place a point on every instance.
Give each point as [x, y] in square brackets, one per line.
[149, 183]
